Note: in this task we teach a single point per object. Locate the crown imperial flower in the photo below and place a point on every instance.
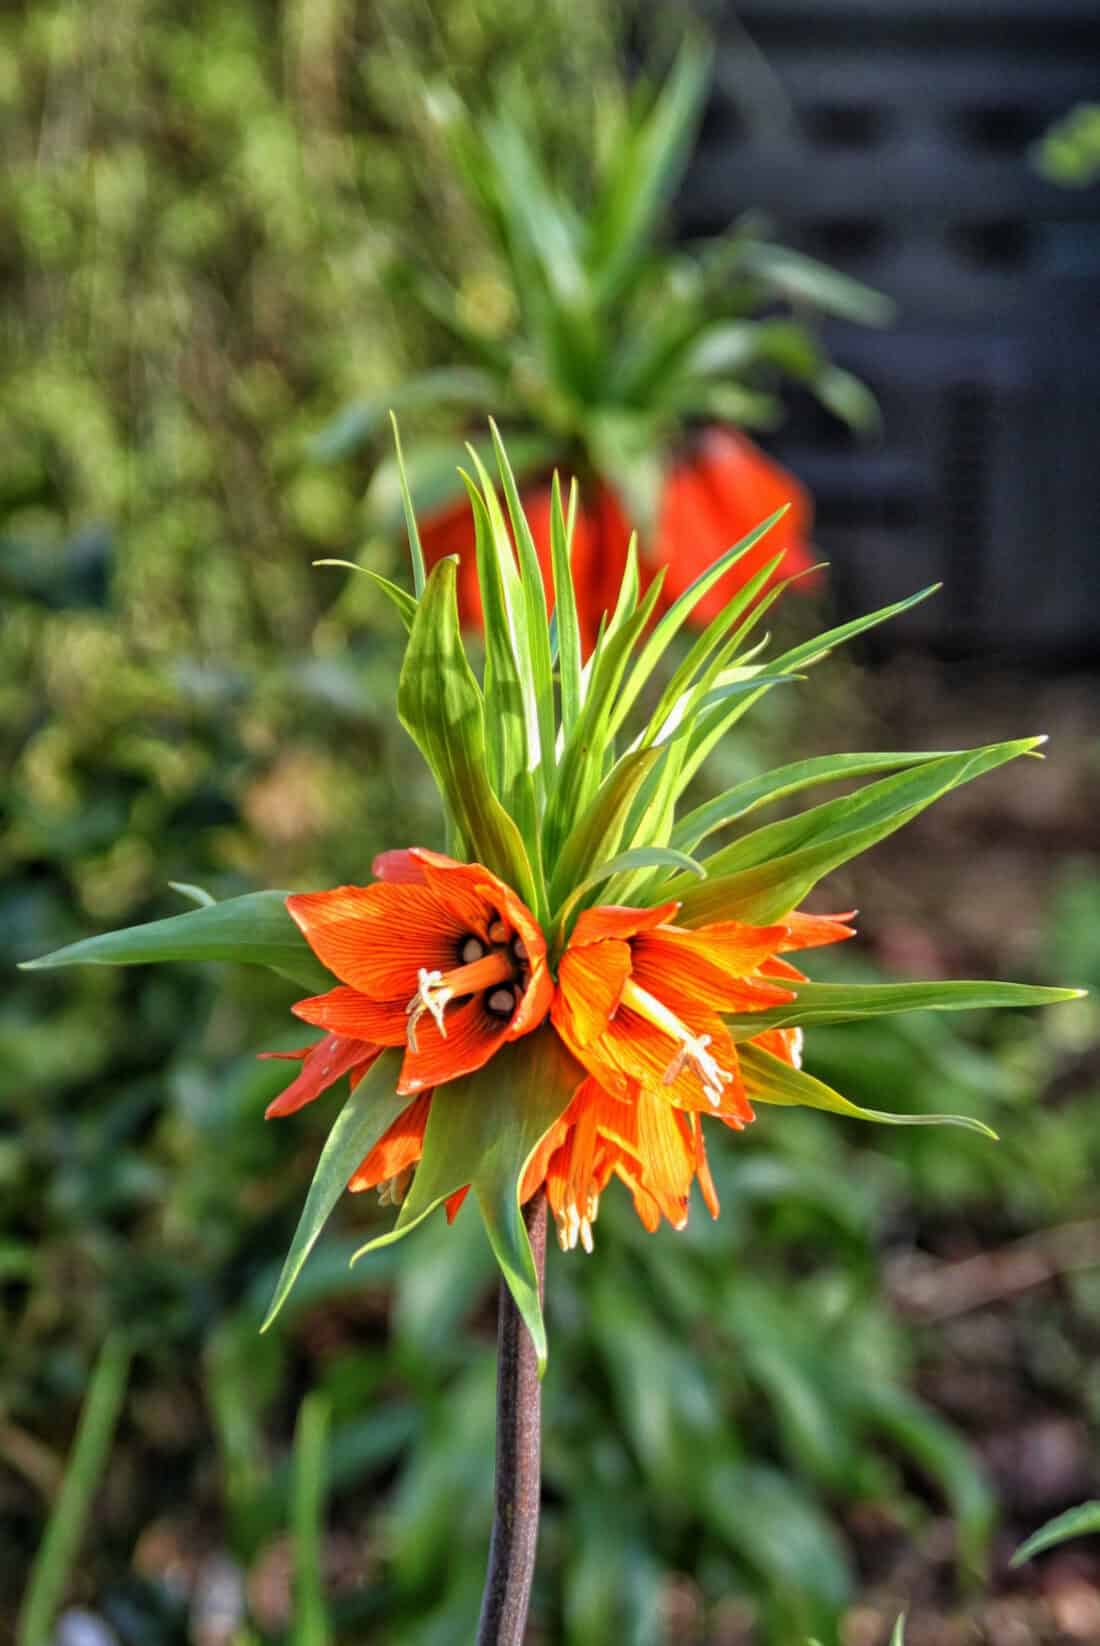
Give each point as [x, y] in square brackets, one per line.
[581, 983]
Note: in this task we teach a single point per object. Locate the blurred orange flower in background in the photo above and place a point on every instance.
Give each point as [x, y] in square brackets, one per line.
[712, 496]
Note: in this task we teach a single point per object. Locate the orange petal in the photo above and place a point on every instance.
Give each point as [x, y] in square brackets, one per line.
[594, 925]
[782, 1043]
[323, 1064]
[397, 1149]
[711, 965]
[400, 868]
[668, 1155]
[638, 1052]
[702, 1169]
[473, 1035]
[590, 986]
[473, 891]
[347, 1012]
[377, 938]
[775, 967]
[453, 1203]
[812, 931]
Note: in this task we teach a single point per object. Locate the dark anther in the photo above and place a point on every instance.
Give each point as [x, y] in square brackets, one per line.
[501, 1002]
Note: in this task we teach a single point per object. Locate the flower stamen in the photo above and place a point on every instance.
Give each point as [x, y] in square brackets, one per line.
[431, 996]
[435, 989]
[692, 1050]
[573, 1229]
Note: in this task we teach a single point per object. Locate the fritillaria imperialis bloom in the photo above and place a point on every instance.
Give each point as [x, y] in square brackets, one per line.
[449, 965]
[579, 985]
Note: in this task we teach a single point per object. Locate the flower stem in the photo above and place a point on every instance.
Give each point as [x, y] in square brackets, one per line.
[516, 1484]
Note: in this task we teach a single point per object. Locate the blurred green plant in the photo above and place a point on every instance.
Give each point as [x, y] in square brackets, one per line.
[599, 348]
[1069, 153]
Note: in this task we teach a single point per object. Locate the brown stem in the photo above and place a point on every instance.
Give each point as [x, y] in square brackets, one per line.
[516, 1483]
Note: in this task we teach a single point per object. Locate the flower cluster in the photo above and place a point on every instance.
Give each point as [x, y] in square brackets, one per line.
[443, 960]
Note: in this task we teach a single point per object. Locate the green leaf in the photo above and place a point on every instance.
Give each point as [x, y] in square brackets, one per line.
[565, 607]
[399, 597]
[820, 645]
[416, 552]
[898, 1636]
[842, 393]
[770, 871]
[944, 1456]
[194, 894]
[678, 613]
[482, 1130]
[534, 598]
[511, 716]
[708, 656]
[599, 831]
[801, 279]
[769, 787]
[255, 929]
[644, 171]
[782, 1534]
[1082, 1521]
[820, 1003]
[459, 386]
[440, 706]
[311, 1624]
[367, 1115]
[769, 1080]
[586, 751]
[57, 1552]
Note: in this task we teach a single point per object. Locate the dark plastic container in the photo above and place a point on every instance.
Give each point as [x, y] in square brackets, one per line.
[892, 140]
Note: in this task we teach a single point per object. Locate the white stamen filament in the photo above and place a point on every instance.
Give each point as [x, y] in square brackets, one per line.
[797, 1038]
[692, 1050]
[431, 997]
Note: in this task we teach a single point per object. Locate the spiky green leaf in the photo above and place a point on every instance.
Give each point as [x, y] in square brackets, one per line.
[440, 705]
[364, 1120]
[820, 1003]
[769, 1080]
[255, 929]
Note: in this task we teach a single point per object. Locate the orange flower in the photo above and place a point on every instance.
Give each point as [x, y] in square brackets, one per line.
[439, 957]
[639, 1005]
[711, 497]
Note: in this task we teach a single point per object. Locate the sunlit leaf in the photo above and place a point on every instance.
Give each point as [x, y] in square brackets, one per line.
[769, 1080]
[770, 871]
[255, 929]
[820, 1003]
[367, 1115]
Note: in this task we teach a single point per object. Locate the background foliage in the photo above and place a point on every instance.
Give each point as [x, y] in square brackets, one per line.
[199, 207]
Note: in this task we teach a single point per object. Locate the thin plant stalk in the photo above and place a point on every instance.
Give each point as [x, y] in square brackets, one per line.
[518, 1461]
[60, 1546]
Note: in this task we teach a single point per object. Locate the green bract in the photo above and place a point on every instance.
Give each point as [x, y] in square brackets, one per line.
[555, 776]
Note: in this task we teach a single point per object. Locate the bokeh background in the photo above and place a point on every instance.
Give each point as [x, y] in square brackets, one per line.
[857, 1391]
